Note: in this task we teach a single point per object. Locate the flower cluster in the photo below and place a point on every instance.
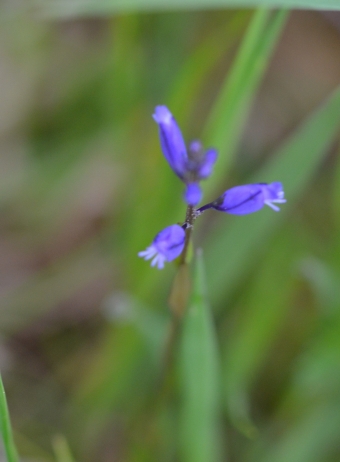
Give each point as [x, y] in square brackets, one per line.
[193, 165]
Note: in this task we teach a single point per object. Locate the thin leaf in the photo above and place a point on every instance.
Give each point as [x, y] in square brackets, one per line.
[313, 438]
[229, 114]
[200, 63]
[199, 377]
[6, 429]
[266, 306]
[61, 449]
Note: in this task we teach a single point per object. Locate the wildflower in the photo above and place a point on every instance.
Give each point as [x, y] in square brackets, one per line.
[248, 198]
[166, 246]
[190, 166]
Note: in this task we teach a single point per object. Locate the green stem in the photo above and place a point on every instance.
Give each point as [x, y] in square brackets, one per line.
[179, 295]
[189, 220]
[5, 427]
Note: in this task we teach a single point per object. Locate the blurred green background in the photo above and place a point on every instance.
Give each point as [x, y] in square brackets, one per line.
[84, 187]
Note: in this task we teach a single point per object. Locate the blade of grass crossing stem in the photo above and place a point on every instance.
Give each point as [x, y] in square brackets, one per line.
[199, 374]
[228, 116]
[232, 249]
[6, 428]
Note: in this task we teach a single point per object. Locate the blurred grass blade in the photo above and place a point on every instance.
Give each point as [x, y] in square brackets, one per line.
[61, 449]
[69, 8]
[232, 249]
[266, 305]
[200, 63]
[199, 377]
[6, 429]
[313, 438]
[336, 191]
[229, 114]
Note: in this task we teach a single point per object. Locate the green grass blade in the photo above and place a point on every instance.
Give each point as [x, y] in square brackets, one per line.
[313, 438]
[62, 450]
[265, 309]
[199, 378]
[200, 63]
[6, 429]
[229, 114]
[74, 8]
[232, 249]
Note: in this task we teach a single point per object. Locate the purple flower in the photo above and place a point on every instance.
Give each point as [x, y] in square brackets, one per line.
[166, 246]
[190, 166]
[172, 141]
[248, 198]
[193, 194]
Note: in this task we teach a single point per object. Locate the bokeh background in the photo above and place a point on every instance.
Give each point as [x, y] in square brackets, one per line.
[84, 187]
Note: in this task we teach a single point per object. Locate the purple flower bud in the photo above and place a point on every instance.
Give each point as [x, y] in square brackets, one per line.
[193, 194]
[190, 167]
[166, 246]
[249, 198]
[207, 164]
[172, 142]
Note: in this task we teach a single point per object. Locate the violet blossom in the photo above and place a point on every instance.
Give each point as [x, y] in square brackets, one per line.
[190, 165]
[167, 245]
[248, 198]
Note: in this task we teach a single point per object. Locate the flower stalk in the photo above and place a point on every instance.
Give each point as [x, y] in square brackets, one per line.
[191, 165]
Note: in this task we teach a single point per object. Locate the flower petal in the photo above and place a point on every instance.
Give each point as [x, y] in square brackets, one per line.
[241, 200]
[166, 246]
[249, 198]
[148, 253]
[272, 191]
[170, 242]
[172, 141]
[207, 164]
